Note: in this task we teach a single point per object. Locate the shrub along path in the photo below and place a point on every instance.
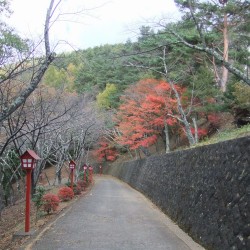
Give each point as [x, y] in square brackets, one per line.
[112, 216]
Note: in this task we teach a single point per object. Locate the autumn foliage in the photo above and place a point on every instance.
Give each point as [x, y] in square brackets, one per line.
[50, 202]
[65, 193]
[147, 107]
[105, 151]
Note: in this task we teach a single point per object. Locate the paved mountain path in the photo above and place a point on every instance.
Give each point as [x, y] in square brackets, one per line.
[113, 216]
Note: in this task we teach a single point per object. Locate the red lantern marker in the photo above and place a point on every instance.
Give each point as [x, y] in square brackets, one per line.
[28, 162]
[72, 166]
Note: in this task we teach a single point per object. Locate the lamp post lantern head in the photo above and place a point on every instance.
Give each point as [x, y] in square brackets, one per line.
[72, 165]
[28, 160]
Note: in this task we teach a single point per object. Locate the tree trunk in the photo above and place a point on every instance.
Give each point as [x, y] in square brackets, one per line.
[1, 194]
[27, 91]
[47, 178]
[224, 77]
[184, 120]
[195, 130]
[59, 176]
[179, 106]
[145, 151]
[166, 136]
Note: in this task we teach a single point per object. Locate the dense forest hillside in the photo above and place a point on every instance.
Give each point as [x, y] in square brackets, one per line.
[165, 85]
[179, 83]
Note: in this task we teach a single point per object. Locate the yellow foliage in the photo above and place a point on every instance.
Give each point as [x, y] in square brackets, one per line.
[105, 98]
[242, 95]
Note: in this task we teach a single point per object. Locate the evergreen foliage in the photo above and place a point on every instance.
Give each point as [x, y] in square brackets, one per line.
[38, 198]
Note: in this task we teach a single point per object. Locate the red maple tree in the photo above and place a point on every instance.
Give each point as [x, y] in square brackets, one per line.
[105, 151]
[146, 109]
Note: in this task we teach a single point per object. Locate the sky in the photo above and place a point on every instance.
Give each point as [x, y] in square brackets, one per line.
[101, 21]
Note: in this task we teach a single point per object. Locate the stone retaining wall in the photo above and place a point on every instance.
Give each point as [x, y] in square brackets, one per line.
[205, 190]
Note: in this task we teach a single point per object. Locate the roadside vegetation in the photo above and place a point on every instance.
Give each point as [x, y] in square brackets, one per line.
[227, 134]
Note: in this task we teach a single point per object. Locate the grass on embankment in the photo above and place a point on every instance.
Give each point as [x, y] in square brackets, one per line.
[226, 135]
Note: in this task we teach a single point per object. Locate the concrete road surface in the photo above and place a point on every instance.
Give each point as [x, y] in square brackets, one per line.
[113, 216]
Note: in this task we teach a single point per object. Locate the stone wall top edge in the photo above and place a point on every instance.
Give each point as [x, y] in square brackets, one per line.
[243, 140]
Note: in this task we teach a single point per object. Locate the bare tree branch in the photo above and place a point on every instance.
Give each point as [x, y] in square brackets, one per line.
[20, 98]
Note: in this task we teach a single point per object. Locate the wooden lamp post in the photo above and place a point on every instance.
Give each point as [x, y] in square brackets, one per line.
[72, 166]
[28, 162]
